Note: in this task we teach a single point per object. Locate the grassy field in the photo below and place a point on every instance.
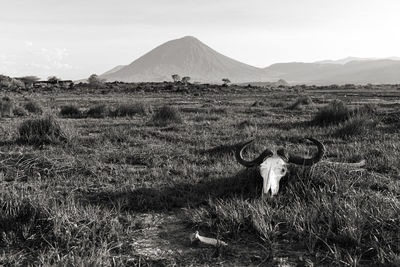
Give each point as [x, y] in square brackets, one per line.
[125, 185]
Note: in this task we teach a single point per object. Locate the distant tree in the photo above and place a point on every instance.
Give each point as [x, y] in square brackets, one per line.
[95, 81]
[29, 80]
[226, 81]
[185, 79]
[176, 77]
[53, 79]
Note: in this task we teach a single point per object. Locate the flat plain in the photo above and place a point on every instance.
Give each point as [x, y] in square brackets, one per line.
[129, 190]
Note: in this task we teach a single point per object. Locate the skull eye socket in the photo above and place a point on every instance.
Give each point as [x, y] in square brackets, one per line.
[282, 170]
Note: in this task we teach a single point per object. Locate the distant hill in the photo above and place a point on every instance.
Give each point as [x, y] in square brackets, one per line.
[357, 72]
[349, 59]
[187, 57]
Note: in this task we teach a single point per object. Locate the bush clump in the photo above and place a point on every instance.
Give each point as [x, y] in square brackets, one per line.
[167, 115]
[301, 102]
[33, 107]
[41, 131]
[70, 111]
[99, 111]
[338, 112]
[126, 110]
[6, 106]
[335, 112]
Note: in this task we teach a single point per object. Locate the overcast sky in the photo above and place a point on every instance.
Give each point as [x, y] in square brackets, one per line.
[75, 38]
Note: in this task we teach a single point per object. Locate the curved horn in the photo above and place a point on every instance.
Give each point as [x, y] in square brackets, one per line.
[257, 161]
[309, 161]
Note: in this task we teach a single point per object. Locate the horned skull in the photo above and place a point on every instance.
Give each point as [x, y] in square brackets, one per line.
[273, 165]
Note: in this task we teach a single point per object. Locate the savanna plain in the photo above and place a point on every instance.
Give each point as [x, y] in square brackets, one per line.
[118, 178]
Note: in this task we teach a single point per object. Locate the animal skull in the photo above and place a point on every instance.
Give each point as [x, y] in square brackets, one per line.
[273, 165]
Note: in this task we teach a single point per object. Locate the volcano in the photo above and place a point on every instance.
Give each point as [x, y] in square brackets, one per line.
[186, 56]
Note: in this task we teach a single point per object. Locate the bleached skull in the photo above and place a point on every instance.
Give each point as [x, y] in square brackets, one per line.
[273, 165]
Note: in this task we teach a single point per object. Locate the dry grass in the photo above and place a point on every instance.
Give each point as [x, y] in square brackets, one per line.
[126, 192]
[41, 131]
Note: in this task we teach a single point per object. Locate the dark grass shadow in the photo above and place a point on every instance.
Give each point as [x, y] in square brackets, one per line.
[287, 125]
[246, 184]
[218, 151]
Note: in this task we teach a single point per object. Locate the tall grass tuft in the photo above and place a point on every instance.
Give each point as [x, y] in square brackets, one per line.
[33, 107]
[70, 111]
[126, 110]
[6, 107]
[99, 111]
[167, 115]
[41, 131]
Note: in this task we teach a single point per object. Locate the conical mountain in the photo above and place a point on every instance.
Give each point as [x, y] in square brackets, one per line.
[186, 56]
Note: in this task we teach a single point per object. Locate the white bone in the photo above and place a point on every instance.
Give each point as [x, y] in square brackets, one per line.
[272, 170]
[206, 240]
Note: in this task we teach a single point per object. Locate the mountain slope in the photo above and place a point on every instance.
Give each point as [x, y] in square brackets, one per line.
[115, 69]
[187, 57]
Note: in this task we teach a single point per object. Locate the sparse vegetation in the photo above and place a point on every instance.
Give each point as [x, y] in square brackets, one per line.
[41, 131]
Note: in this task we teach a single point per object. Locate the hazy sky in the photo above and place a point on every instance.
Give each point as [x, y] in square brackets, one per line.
[75, 38]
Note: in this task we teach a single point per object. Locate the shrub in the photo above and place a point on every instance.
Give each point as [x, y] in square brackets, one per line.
[300, 102]
[70, 111]
[125, 110]
[335, 112]
[41, 131]
[166, 115]
[99, 111]
[356, 126]
[33, 107]
[19, 111]
[6, 106]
